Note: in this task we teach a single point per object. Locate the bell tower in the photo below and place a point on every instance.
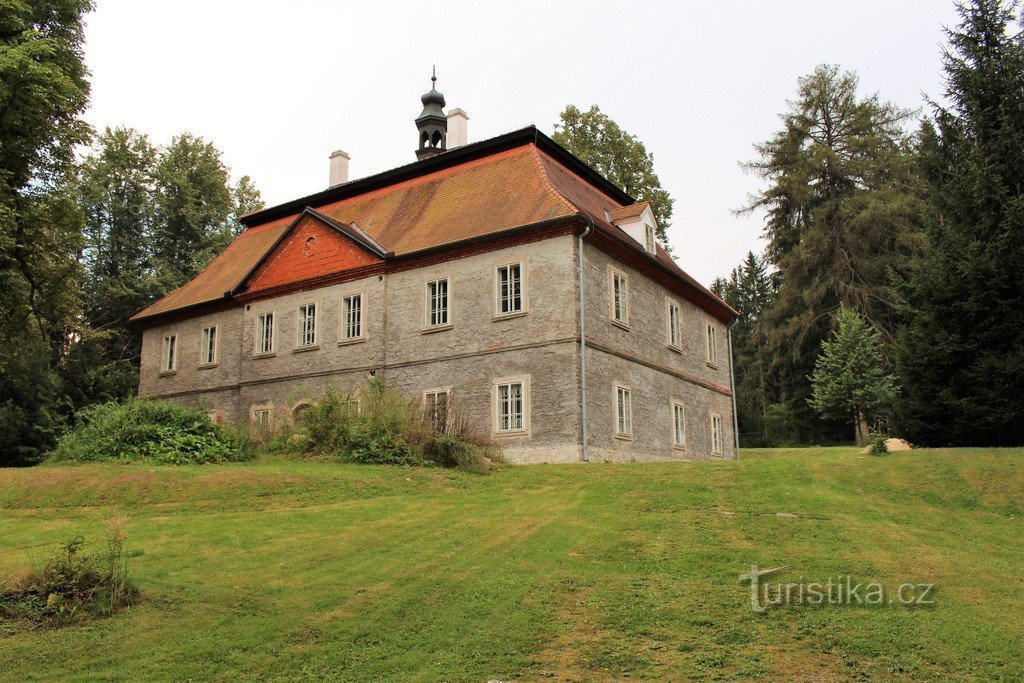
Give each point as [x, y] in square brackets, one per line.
[432, 124]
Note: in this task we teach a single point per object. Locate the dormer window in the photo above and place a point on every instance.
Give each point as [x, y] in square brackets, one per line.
[649, 243]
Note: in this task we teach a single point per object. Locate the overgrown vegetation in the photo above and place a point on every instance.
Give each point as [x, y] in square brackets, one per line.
[380, 425]
[74, 583]
[142, 430]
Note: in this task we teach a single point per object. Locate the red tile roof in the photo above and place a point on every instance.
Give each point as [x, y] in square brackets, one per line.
[493, 192]
[629, 211]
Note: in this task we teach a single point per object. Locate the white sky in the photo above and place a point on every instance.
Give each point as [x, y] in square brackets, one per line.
[277, 86]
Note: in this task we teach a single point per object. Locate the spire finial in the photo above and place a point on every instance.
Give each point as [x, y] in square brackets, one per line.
[433, 75]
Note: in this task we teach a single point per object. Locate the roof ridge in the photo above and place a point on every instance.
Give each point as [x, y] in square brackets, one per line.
[551, 189]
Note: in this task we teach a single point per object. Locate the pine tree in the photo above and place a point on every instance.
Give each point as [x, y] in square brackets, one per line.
[961, 357]
[751, 290]
[850, 380]
[618, 156]
[843, 205]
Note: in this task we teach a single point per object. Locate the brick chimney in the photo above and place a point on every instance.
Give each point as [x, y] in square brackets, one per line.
[458, 134]
[339, 168]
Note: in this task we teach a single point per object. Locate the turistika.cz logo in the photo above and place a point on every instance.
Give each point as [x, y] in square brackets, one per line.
[837, 590]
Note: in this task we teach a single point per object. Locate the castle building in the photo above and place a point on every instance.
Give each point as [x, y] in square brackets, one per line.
[503, 276]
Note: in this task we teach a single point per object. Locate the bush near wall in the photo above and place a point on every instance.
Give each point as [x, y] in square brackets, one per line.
[143, 430]
[380, 425]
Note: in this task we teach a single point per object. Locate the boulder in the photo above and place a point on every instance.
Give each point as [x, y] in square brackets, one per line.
[896, 445]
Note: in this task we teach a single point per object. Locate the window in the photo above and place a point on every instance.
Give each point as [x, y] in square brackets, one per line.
[170, 357]
[620, 298]
[352, 317]
[511, 398]
[436, 409]
[261, 418]
[437, 302]
[649, 243]
[307, 325]
[674, 336]
[712, 344]
[208, 352]
[510, 288]
[265, 333]
[716, 433]
[678, 425]
[623, 412]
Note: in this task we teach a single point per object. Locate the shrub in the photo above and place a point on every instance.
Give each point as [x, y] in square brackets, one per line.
[877, 443]
[72, 584]
[141, 430]
[380, 425]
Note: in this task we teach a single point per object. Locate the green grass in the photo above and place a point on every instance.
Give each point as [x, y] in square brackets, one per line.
[292, 570]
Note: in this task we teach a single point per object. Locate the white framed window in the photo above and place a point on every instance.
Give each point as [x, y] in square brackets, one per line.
[437, 409]
[623, 411]
[511, 405]
[353, 404]
[674, 320]
[678, 424]
[509, 289]
[169, 360]
[307, 326]
[649, 241]
[712, 344]
[265, 333]
[351, 317]
[716, 433]
[437, 311]
[260, 418]
[618, 303]
[208, 350]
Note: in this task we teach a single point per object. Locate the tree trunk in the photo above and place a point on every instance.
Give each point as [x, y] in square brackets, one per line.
[861, 430]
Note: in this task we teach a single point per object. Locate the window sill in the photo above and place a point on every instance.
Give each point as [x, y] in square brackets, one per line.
[713, 365]
[353, 340]
[679, 447]
[168, 373]
[676, 349]
[303, 349]
[624, 437]
[269, 354]
[208, 366]
[508, 316]
[436, 328]
[619, 323]
[511, 433]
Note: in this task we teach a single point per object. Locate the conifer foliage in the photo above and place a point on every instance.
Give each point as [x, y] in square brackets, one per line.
[961, 353]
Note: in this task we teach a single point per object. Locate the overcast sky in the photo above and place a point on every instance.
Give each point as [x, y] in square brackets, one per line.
[278, 85]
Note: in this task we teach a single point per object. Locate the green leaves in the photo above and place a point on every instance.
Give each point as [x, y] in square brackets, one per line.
[617, 155]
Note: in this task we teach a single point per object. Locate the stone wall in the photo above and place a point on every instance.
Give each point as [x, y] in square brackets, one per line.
[467, 356]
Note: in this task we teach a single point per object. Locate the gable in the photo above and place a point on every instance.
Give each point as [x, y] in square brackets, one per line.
[310, 249]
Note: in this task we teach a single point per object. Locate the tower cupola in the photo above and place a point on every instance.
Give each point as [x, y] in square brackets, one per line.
[432, 124]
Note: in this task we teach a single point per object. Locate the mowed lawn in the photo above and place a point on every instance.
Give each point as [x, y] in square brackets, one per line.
[295, 570]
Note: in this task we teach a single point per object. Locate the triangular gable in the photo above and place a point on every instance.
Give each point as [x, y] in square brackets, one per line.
[313, 246]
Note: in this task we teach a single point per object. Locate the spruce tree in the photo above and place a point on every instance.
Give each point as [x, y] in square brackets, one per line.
[961, 356]
[850, 380]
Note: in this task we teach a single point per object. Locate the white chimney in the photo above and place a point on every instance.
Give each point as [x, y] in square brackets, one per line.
[339, 168]
[458, 135]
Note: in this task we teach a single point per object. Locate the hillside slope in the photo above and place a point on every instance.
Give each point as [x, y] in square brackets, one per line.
[305, 570]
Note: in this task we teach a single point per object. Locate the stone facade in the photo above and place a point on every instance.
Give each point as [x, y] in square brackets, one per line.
[539, 347]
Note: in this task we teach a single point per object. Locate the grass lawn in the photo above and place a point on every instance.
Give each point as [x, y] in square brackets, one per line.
[290, 570]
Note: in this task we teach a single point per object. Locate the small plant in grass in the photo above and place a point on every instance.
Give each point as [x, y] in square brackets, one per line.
[380, 425]
[142, 430]
[73, 584]
[878, 443]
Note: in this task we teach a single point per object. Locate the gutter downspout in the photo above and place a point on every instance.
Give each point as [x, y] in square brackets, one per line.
[583, 346]
[732, 390]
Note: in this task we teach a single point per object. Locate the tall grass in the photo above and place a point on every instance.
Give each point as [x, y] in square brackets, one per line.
[380, 425]
[73, 584]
